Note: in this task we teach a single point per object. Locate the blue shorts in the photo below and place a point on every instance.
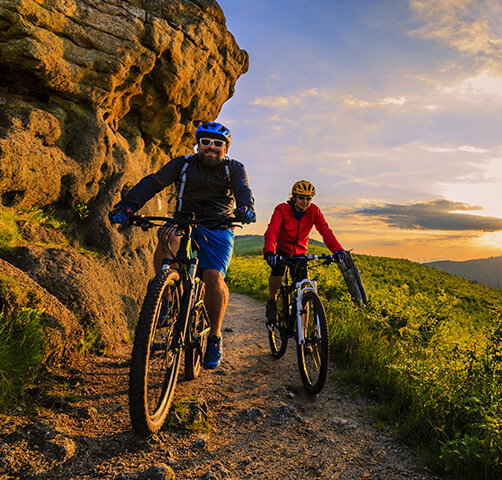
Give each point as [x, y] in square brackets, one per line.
[215, 247]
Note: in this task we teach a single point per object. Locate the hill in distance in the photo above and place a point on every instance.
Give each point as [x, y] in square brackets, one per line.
[253, 244]
[487, 271]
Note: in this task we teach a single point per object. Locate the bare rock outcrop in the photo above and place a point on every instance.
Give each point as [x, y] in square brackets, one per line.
[81, 284]
[95, 94]
[63, 331]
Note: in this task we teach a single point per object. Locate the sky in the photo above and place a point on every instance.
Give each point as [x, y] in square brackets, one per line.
[391, 108]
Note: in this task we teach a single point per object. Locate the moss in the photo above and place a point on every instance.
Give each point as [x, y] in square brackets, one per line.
[14, 296]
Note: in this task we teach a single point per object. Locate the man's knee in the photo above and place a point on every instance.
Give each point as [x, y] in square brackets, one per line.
[213, 279]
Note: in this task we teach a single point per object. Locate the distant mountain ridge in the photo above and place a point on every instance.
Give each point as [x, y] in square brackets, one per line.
[487, 271]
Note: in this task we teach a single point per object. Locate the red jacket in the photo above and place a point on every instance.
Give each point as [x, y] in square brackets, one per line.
[290, 235]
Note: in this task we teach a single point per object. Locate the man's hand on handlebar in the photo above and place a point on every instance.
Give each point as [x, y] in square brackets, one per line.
[121, 215]
[245, 215]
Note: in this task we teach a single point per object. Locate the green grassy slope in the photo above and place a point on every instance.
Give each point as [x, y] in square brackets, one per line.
[434, 359]
[253, 244]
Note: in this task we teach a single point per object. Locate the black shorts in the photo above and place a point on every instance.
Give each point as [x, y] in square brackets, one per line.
[278, 270]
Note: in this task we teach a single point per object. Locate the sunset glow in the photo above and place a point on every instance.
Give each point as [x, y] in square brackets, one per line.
[393, 109]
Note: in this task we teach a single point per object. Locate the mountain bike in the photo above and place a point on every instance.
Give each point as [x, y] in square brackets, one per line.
[173, 319]
[300, 315]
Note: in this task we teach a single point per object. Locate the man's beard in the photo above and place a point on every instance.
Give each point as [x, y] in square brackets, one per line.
[209, 162]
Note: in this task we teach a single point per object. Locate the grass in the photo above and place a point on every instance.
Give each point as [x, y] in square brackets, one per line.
[433, 359]
[11, 234]
[10, 220]
[188, 413]
[21, 351]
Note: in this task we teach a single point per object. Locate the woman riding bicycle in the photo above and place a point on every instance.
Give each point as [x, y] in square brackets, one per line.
[288, 233]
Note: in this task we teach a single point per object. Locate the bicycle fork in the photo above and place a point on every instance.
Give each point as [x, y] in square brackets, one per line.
[190, 303]
[303, 286]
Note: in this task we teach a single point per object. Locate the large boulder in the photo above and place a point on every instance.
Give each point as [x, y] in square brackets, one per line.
[98, 93]
[79, 283]
[62, 328]
[94, 95]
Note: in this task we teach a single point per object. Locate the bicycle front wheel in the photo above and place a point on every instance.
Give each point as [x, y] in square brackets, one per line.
[199, 328]
[155, 357]
[313, 355]
[277, 331]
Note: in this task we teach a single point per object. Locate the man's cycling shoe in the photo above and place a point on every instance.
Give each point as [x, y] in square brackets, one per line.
[271, 311]
[214, 352]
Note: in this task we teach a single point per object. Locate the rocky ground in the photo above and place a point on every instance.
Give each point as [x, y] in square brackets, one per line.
[260, 423]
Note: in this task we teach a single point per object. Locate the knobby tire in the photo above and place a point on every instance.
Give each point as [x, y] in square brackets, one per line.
[194, 353]
[278, 331]
[313, 355]
[155, 359]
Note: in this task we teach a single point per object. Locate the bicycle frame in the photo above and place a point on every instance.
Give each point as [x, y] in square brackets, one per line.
[188, 262]
[301, 287]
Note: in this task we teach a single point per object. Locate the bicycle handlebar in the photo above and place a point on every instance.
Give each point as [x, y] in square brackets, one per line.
[146, 221]
[306, 258]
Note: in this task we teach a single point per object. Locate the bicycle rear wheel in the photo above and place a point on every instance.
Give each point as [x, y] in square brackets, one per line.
[199, 328]
[277, 331]
[155, 357]
[313, 355]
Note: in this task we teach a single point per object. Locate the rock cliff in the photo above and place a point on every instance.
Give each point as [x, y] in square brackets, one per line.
[95, 94]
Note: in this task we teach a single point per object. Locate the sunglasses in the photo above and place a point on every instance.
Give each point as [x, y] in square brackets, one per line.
[211, 141]
[304, 197]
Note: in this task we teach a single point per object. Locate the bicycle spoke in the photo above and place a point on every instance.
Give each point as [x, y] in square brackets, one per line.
[156, 355]
[313, 353]
[277, 330]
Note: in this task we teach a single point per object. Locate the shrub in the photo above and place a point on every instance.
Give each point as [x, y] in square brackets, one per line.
[427, 344]
[21, 351]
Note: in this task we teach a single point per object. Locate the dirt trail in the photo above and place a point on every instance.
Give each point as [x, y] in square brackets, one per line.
[263, 426]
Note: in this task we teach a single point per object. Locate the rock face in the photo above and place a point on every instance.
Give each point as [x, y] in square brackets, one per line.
[63, 330]
[95, 94]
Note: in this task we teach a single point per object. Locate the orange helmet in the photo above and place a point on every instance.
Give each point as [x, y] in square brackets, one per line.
[303, 187]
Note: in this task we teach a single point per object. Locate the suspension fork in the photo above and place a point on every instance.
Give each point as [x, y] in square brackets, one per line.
[302, 286]
[187, 281]
[187, 300]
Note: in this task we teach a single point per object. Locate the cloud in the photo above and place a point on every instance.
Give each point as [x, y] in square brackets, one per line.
[350, 100]
[283, 102]
[484, 83]
[463, 148]
[275, 102]
[470, 27]
[433, 215]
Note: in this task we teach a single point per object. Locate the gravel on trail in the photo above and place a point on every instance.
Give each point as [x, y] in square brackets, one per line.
[260, 423]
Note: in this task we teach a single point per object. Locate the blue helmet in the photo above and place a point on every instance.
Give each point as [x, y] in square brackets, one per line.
[214, 130]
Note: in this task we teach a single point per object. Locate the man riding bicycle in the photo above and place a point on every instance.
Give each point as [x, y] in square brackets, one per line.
[210, 185]
[288, 233]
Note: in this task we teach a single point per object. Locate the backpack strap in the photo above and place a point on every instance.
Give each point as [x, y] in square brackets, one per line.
[183, 181]
[183, 178]
[227, 171]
